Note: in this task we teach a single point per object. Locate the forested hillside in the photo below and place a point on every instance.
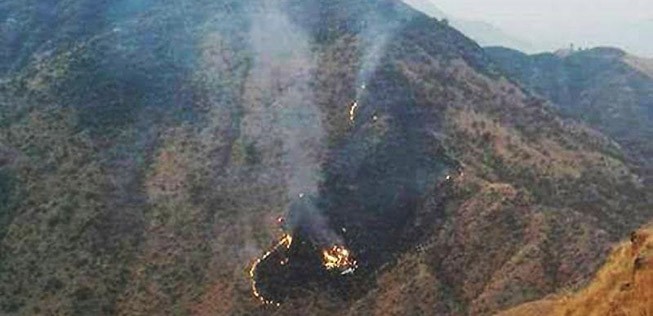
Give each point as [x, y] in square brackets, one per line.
[147, 150]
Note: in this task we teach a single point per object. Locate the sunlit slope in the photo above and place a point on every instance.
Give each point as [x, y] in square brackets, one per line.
[623, 286]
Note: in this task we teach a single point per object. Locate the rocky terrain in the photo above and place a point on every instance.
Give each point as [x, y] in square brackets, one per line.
[148, 148]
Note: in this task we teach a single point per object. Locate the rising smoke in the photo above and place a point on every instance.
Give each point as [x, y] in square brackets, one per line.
[283, 64]
[284, 112]
[374, 39]
[355, 209]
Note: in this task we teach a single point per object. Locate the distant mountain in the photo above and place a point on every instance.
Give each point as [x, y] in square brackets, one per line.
[151, 153]
[487, 34]
[630, 36]
[484, 33]
[428, 7]
[604, 87]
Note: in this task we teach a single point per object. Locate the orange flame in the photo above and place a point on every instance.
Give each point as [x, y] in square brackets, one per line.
[352, 111]
[334, 258]
[285, 241]
[338, 257]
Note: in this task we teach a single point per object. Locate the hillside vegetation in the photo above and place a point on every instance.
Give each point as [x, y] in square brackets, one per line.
[147, 149]
[623, 286]
[606, 88]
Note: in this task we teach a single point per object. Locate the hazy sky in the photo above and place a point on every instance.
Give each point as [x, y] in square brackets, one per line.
[554, 22]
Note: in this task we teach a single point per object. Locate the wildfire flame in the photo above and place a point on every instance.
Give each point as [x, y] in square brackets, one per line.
[352, 111]
[338, 257]
[285, 241]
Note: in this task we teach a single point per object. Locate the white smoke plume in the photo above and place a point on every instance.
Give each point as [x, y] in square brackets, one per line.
[282, 71]
[374, 39]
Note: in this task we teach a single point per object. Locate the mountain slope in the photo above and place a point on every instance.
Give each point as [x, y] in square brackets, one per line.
[427, 7]
[623, 286]
[644, 65]
[606, 88]
[147, 157]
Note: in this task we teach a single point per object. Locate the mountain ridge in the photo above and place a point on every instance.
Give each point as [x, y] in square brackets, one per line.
[150, 158]
[603, 87]
[482, 32]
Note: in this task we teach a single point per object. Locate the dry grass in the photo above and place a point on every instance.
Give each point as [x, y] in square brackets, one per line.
[623, 287]
[544, 154]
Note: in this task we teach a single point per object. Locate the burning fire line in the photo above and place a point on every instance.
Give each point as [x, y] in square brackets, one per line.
[354, 106]
[352, 111]
[286, 240]
[334, 258]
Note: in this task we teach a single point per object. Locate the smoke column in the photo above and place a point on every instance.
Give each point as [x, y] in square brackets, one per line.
[374, 39]
[283, 69]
